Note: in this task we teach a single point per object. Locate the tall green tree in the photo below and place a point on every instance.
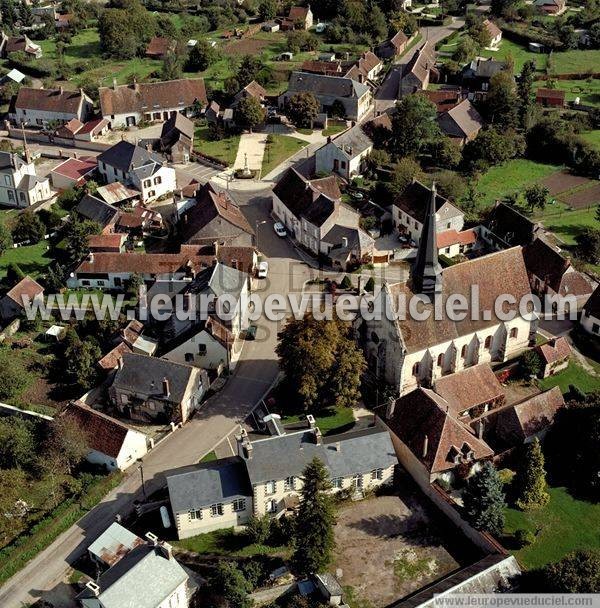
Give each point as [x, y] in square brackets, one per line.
[17, 443]
[577, 572]
[302, 108]
[76, 235]
[172, 67]
[14, 378]
[230, 584]
[321, 362]
[5, 239]
[313, 528]
[201, 57]
[414, 125]
[525, 93]
[249, 113]
[29, 227]
[267, 9]
[483, 500]
[81, 358]
[501, 102]
[530, 480]
[536, 196]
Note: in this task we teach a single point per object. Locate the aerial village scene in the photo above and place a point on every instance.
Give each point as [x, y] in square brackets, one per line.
[299, 303]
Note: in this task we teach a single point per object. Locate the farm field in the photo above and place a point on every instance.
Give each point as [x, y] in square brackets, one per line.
[510, 177]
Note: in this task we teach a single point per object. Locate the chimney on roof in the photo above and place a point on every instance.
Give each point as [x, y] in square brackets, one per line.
[311, 421]
[114, 84]
[120, 362]
[480, 428]
[91, 257]
[93, 587]
[425, 446]
[152, 538]
[344, 242]
[61, 90]
[166, 549]
[166, 388]
[318, 435]
[136, 86]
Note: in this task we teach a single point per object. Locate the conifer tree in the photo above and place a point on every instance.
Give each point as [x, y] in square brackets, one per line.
[530, 480]
[483, 499]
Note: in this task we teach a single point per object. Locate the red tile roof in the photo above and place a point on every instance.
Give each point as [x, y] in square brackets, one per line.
[555, 350]
[25, 287]
[422, 420]
[49, 100]
[550, 94]
[453, 237]
[106, 241]
[93, 126]
[112, 358]
[157, 47]
[492, 28]
[76, 168]
[104, 434]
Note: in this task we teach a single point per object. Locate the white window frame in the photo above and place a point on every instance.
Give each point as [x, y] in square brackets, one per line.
[239, 505]
[216, 510]
[270, 488]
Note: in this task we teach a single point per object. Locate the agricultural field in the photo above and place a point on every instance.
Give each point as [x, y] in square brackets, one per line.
[510, 177]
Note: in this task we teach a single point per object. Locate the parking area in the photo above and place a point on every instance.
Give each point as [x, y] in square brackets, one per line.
[390, 546]
[193, 170]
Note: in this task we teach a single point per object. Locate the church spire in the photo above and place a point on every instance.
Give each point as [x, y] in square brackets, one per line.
[427, 272]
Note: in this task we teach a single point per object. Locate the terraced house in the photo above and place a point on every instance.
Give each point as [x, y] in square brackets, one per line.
[129, 104]
[266, 476]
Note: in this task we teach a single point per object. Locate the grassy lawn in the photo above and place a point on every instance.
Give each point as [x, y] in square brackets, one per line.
[574, 374]
[519, 53]
[563, 525]
[568, 224]
[333, 130]
[330, 422]
[592, 137]
[210, 457]
[510, 177]
[32, 260]
[227, 542]
[575, 61]
[224, 149]
[282, 148]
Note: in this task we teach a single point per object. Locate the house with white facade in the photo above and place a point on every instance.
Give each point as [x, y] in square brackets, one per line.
[410, 209]
[407, 350]
[138, 168]
[111, 443]
[312, 211]
[355, 97]
[346, 155]
[129, 104]
[590, 316]
[266, 476]
[19, 184]
[39, 107]
[148, 575]
[150, 389]
[111, 271]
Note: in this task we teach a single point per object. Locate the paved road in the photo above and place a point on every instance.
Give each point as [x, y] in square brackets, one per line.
[388, 91]
[218, 418]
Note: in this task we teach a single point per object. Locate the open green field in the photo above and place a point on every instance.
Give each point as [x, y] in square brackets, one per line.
[32, 260]
[563, 525]
[282, 148]
[223, 149]
[574, 374]
[568, 224]
[512, 176]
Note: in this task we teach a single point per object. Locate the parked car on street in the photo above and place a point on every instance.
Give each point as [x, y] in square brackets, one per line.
[279, 229]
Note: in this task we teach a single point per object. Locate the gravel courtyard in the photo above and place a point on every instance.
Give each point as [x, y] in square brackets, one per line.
[389, 547]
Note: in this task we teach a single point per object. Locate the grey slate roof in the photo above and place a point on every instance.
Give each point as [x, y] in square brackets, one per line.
[207, 484]
[326, 85]
[346, 454]
[93, 208]
[354, 141]
[125, 156]
[144, 578]
[144, 375]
